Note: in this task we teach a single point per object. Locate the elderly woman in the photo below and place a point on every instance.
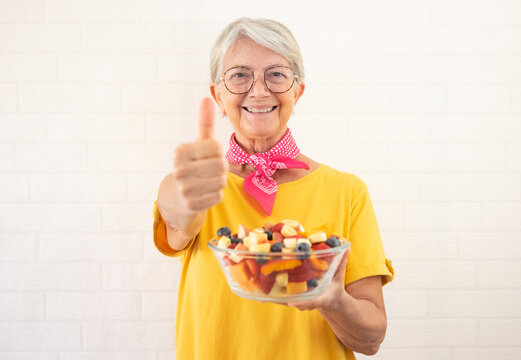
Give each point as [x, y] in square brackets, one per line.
[257, 79]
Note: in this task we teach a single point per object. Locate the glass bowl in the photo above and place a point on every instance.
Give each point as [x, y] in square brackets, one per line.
[279, 276]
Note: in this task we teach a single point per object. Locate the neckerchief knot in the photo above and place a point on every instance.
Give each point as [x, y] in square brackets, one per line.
[260, 184]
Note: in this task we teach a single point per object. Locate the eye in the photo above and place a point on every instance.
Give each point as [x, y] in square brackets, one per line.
[239, 75]
[278, 74]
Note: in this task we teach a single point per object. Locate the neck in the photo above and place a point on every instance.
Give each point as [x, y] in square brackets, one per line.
[258, 145]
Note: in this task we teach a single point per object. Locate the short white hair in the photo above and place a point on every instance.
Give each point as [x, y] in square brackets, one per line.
[268, 33]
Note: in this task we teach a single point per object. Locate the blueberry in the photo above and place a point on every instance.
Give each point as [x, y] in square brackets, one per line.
[333, 241]
[304, 249]
[224, 231]
[312, 283]
[277, 247]
[261, 259]
[269, 233]
[236, 240]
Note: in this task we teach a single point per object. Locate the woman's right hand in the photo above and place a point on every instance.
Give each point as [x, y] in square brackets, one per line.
[197, 180]
[199, 167]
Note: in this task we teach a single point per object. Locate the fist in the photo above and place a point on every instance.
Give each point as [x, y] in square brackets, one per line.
[200, 167]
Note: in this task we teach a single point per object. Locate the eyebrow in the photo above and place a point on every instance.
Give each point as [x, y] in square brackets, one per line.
[249, 68]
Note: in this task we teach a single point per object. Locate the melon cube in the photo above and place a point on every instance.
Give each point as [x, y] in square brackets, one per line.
[296, 287]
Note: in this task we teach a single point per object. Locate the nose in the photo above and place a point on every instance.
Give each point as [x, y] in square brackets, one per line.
[259, 88]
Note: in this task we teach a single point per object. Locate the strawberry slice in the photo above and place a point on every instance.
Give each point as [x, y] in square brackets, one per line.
[303, 273]
[323, 246]
[320, 246]
[277, 227]
[266, 282]
[241, 246]
[253, 266]
[277, 237]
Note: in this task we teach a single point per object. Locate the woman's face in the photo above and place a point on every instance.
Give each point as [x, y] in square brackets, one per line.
[243, 109]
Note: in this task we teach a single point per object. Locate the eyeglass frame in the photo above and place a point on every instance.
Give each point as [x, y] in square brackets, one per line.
[295, 78]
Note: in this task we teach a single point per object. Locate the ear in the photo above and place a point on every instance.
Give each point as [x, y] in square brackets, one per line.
[299, 91]
[216, 94]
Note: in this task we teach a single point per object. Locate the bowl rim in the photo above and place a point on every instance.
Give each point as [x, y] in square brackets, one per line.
[254, 253]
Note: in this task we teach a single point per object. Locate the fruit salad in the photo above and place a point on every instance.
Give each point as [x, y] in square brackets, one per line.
[279, 261]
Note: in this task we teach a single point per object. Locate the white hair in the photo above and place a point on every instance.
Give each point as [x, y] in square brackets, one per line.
[268, 33]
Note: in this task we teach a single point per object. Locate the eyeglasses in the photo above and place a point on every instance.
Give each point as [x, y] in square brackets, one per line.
[240, 79]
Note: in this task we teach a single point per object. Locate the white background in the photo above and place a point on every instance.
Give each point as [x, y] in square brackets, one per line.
[421, 99]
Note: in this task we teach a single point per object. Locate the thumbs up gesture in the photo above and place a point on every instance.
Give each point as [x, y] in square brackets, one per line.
[200, 167]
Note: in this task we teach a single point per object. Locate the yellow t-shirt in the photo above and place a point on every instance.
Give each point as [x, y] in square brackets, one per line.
[214, 323]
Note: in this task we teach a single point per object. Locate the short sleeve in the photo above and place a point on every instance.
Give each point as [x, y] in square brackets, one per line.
[367, 257]
[160, 239]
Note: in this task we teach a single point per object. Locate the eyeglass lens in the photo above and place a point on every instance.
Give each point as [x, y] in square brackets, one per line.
[239, 80]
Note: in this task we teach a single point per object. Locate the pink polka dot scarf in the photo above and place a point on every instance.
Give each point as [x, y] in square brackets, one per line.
[260, 183]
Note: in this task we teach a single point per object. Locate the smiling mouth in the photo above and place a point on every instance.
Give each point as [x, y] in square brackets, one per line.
[259, 110]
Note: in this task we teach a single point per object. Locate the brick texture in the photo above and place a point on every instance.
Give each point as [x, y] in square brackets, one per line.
[420, 99]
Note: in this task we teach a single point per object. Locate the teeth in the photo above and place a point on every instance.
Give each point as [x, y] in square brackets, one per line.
[265, 110]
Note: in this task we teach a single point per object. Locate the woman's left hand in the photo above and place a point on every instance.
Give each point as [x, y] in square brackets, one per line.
[356, 313]
[330, 297]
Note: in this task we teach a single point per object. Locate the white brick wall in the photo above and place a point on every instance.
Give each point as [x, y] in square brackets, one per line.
[422, 99]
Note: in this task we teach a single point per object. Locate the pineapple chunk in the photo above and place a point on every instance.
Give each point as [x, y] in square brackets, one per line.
[249, 241]
[264, 248]
[224, 242]
[294, 224]
[317, 237]
[258, 236]
[290, 243]
[288, 230]
[282, 279]
[277, 290]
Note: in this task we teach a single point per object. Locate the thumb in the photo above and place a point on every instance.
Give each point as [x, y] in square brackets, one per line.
[206, 121]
